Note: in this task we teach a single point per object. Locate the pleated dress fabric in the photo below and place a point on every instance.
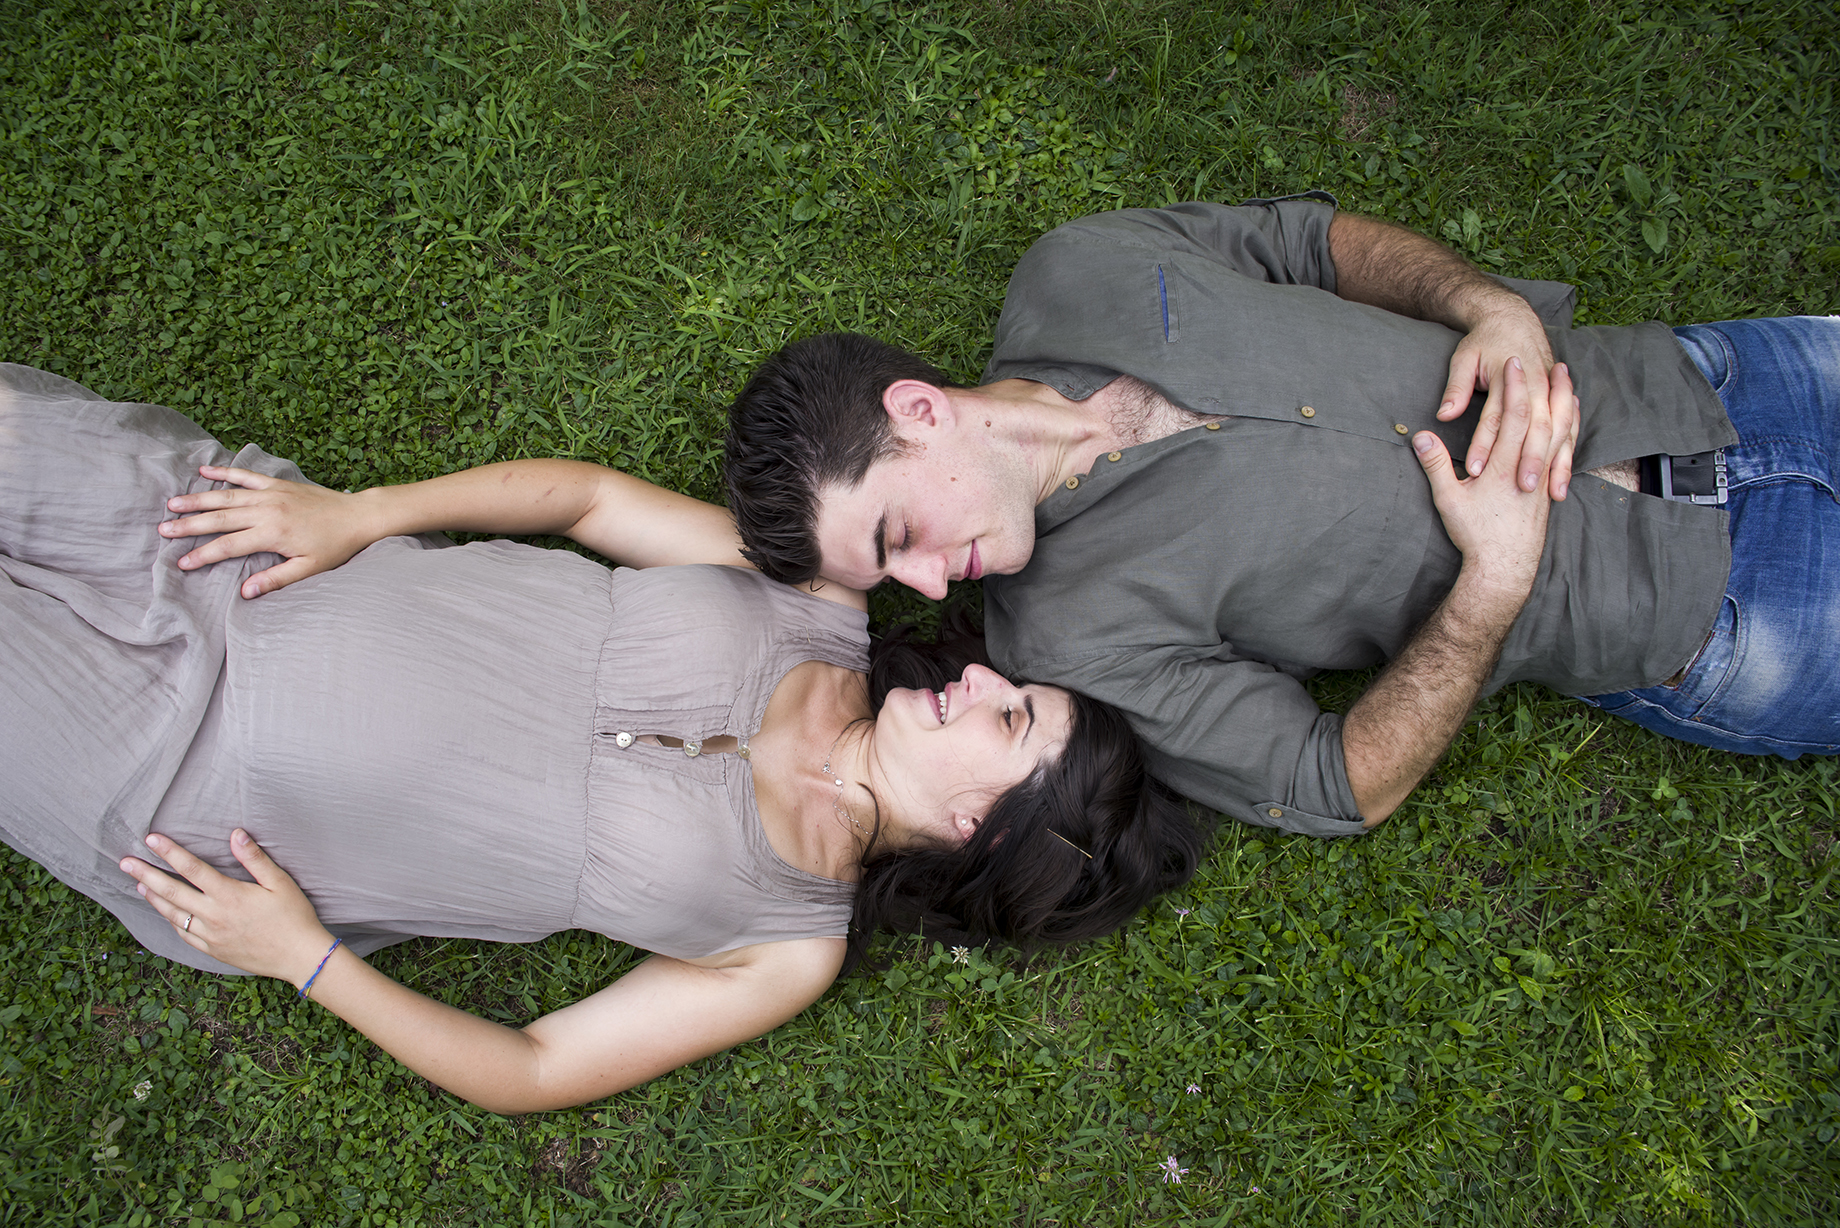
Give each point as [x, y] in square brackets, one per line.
[433, 739]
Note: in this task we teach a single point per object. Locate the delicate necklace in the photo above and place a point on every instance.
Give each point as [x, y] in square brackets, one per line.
[837, 802]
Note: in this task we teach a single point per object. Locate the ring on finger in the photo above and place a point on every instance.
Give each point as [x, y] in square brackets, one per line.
[187, 927]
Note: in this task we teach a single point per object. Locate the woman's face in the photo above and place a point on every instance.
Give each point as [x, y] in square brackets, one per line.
[942, 757]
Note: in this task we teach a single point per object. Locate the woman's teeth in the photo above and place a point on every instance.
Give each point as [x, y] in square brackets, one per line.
[939, 699]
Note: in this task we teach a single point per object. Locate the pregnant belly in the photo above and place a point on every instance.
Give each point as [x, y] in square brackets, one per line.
[410, 736]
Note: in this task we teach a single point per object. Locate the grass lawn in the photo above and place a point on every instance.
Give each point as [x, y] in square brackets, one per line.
[1585, 976]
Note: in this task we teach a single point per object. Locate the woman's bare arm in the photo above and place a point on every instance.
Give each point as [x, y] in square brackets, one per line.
[623, 517]
[659, 1016]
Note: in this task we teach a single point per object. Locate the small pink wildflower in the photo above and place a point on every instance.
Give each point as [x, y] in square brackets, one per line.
[1194, 1089]
[1172, 1172]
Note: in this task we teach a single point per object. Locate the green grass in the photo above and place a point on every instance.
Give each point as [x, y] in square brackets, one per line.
[1585, 976]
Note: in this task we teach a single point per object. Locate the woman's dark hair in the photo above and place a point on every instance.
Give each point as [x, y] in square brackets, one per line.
[1071, 853]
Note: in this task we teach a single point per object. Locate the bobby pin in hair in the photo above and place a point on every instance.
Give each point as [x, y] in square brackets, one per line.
[1070, 844]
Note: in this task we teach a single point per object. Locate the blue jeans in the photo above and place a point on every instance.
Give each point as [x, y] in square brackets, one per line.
[1768, 679]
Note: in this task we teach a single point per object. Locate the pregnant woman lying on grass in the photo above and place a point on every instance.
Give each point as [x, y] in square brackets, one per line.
[498, 741]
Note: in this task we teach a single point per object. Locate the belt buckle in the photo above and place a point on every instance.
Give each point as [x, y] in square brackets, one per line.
[1720, 479]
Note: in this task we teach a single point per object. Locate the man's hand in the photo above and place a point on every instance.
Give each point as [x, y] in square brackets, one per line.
[1496, 517]
[1509, 330]
[315, 529]
[1395, 269]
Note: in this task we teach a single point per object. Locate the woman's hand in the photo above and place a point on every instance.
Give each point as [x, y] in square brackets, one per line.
[314, 528]
[267, 927]
[660, 1015]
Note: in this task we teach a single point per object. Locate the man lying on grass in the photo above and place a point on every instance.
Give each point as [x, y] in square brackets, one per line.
[1187, 478]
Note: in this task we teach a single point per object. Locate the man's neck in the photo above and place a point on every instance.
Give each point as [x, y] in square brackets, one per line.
[1062, 438]
[1053, 436]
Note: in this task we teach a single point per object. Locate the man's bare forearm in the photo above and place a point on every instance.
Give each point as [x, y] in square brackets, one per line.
[1404, 272]
[1408, 718]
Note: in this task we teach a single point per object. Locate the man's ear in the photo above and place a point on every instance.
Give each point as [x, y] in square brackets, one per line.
[915, 403]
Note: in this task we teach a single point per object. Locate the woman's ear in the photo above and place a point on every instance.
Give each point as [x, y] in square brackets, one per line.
[965, 824]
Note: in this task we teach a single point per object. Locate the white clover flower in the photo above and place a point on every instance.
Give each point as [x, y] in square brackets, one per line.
[961, 955]
[142, 1088]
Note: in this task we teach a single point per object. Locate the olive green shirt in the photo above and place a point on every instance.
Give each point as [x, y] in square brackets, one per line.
[1195, 580]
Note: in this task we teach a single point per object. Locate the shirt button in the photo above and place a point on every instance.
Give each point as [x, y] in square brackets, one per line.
[1213, 426]
[1073, 483]
[1114, 456]
[1308, 411]
[622, 739]
[1275, 813]
[693, 748]
[1399, 428]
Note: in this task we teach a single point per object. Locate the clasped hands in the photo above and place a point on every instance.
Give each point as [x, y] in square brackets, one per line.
[1510, 330]
[1497, 516]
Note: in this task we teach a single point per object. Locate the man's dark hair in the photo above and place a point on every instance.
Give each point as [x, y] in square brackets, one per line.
[1071, 853]
[811, 416]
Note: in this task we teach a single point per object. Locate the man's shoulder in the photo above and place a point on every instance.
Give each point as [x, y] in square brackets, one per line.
[1187, 220]
[1042, 619]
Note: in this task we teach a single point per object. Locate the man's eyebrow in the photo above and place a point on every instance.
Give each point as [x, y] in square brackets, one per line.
[881, 542]
[1028, 705]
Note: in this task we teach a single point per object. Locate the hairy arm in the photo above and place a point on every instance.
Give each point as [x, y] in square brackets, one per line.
[662, 1014]
[1406, 720]
[1398, 270]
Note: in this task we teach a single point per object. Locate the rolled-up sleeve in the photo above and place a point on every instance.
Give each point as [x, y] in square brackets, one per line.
[1233, 734]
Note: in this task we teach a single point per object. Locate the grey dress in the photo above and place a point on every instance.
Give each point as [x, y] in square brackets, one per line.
[429, 738]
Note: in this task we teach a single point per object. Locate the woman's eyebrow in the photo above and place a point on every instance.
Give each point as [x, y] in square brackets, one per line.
[1028, 706]
[881, 542]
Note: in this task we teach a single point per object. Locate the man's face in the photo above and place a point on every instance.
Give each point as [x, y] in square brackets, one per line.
[947, 510]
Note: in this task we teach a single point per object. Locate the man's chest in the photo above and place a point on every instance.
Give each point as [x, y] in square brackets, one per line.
[1140, 414]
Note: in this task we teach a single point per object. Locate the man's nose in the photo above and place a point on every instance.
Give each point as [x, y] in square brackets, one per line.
[926, 576]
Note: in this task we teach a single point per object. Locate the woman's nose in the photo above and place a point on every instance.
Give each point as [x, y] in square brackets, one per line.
[978, 680]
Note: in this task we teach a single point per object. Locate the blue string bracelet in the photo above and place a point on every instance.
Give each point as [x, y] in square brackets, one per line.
[320, 969]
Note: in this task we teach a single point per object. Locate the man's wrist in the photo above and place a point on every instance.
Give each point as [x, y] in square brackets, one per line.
[1478, 299]
[1489, 594]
